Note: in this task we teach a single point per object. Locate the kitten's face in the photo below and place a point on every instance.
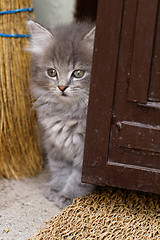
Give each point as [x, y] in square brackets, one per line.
[61, 62]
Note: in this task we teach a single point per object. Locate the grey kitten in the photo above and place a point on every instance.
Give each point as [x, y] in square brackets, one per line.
[61, 60]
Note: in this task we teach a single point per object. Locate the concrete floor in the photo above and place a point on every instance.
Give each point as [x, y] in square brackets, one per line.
[23, 208]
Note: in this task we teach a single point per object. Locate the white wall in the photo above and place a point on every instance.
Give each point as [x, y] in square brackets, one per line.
[49, 12]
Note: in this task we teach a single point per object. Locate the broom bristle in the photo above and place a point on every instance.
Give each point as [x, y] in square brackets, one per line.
[20, 154]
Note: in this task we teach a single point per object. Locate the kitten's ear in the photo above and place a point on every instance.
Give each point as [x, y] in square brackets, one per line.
[39, 37]
[89, 38]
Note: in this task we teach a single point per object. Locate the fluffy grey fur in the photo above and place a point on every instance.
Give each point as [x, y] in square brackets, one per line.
[61, 103]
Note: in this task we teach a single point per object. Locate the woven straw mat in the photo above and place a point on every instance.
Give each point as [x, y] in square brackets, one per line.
[109, 213]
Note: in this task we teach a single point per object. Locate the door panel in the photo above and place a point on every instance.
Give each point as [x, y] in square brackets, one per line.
[122, 146]
[154, 91]
[147, 136]
[142, 50]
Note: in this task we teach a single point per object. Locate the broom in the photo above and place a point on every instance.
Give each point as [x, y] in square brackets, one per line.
[20, 154]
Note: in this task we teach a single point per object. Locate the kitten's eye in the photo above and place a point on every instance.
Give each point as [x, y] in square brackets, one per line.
[52, 72]
[78, 73]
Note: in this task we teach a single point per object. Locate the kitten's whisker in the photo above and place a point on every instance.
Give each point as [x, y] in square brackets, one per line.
[49, 103]
[82, 98]
[47, 100]
[40, 97]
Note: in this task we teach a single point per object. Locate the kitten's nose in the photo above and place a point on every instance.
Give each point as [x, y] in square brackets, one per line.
[62, 88]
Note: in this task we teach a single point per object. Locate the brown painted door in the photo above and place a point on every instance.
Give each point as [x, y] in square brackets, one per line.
[122, 146]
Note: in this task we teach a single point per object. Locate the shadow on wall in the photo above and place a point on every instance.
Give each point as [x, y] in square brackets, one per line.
[50, 12]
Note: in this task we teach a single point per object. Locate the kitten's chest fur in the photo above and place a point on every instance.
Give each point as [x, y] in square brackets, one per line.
[64, 134]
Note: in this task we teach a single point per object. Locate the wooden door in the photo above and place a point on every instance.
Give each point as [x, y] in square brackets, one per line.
[122, 146]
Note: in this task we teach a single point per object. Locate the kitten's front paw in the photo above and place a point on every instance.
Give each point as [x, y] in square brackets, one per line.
[50, 194]
[62, 201]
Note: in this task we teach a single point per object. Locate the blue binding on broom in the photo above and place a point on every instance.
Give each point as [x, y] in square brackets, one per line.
[16, 11]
